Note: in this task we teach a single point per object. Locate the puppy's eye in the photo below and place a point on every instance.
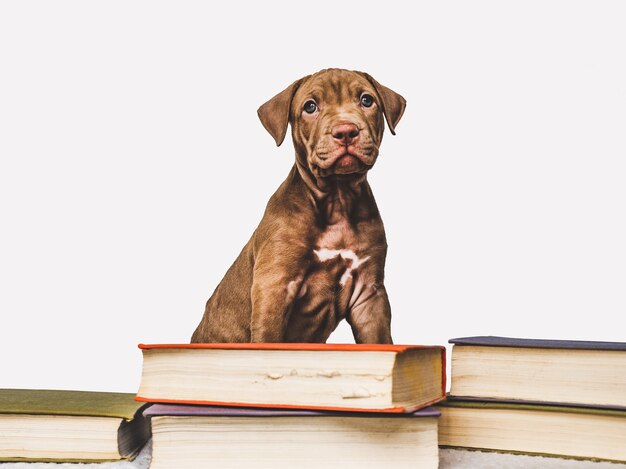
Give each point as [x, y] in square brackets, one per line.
[310, 107]
[367, 100]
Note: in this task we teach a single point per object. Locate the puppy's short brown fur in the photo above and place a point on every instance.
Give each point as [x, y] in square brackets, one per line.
[318, 255]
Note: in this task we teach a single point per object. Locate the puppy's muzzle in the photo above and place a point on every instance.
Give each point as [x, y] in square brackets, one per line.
[345, 136]
[347, 156]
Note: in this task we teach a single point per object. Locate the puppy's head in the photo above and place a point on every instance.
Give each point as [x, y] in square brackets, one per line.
[336, 119]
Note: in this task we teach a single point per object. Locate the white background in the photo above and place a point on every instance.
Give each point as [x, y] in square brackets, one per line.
[133, 167]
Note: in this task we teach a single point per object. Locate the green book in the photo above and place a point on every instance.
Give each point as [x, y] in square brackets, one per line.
[70, 426]
[533, 428]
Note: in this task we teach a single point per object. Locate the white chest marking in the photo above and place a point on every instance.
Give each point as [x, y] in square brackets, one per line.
[327, 254]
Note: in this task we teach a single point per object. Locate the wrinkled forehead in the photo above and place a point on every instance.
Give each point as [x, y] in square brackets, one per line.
[334, 87]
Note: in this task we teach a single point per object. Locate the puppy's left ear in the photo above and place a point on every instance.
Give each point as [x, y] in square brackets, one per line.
[393, 103]
[274, 114]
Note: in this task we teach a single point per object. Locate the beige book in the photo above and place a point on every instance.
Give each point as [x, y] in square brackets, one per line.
[572, 432]
[547, 371]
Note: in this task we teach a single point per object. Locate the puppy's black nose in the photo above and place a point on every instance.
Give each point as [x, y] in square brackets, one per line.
[345, 133]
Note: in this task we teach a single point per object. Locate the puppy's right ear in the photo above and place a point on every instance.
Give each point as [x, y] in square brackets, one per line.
[274, 114]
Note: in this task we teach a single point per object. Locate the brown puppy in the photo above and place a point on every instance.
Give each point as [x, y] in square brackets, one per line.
[318, 255]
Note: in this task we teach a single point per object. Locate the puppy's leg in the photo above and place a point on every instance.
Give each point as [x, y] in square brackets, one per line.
[370, 317]
[276, 283]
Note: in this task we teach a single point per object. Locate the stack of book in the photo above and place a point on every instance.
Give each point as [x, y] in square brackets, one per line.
[293, 405]
[547, 397]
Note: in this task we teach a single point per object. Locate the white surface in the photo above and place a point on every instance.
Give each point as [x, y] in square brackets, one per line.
[448, 459]
[133, 167]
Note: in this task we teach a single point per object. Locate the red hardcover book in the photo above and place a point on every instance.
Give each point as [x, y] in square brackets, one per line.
[375, 378]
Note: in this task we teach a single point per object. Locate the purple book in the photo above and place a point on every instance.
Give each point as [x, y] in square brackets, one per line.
[193, 436]
[213, 411]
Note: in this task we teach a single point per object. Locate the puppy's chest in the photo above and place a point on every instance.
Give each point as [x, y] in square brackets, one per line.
[339, 260]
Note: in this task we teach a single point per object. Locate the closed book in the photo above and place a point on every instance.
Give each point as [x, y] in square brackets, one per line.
[573, 373]
[386, 378]
[189, 437]
[70, 426]
[532, 428]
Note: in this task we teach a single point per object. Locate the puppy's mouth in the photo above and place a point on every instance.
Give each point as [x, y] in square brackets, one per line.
[345, 163]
